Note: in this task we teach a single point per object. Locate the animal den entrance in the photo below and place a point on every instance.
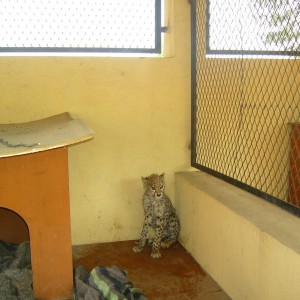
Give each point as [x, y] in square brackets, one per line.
[15, 258]
[34, 184]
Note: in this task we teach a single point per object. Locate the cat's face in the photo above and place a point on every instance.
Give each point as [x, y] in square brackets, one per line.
[155, 184]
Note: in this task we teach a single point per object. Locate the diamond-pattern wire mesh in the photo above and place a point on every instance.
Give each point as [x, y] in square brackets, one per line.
[247, 108]
[127, 24]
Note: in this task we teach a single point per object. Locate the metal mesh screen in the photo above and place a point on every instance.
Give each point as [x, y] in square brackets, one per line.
[115, 25]
[246, 95]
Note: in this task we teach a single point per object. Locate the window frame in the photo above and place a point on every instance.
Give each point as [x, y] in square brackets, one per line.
[157, 49]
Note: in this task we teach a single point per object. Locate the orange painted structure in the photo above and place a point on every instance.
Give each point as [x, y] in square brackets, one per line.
[36, 187]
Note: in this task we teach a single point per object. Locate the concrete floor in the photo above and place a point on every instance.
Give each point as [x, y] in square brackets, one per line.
[174, 276]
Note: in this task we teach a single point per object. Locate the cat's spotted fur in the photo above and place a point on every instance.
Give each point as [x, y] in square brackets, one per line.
[160, 217]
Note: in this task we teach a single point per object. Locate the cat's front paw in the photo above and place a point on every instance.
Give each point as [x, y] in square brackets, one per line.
[137, 249]
[155, 254]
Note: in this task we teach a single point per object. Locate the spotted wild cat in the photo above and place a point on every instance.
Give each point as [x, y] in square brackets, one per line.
[160, 217]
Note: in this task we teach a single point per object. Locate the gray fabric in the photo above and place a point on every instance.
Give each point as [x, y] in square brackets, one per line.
[15, 272]
[105, 283]
[83, 291]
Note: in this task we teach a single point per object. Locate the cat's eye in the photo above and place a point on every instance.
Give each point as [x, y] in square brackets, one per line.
[153, 187]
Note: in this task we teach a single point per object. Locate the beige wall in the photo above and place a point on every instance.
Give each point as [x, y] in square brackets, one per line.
[249, 246]
[139, 109]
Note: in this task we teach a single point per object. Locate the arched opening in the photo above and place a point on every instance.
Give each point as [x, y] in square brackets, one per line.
[15, 256]
[13, 228]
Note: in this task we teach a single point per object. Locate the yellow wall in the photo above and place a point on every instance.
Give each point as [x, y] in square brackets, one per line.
[249, 246]
[139, 110]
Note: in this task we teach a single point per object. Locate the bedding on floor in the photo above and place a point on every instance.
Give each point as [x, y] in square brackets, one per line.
[102, 283]
[15, 272]
[107, 283]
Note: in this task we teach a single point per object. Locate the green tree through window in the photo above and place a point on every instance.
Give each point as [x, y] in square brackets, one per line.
[270, 27]
[283, 18]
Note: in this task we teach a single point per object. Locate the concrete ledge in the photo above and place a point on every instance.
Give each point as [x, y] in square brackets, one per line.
[249, 246]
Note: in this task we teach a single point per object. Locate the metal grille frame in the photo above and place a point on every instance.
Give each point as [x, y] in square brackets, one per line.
[198, 22]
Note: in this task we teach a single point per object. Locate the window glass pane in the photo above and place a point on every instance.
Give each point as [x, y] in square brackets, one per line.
[114, 24]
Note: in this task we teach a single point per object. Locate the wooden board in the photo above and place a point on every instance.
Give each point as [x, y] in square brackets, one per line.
[45, 134]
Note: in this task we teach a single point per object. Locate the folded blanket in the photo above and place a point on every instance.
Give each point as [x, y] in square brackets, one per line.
[105, 283]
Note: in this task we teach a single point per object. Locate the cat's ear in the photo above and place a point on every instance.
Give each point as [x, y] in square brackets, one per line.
[161, 176]
[144, 180]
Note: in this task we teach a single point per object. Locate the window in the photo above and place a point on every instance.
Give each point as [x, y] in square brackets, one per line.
[132, 26]
[253, 27]
[245, 112]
